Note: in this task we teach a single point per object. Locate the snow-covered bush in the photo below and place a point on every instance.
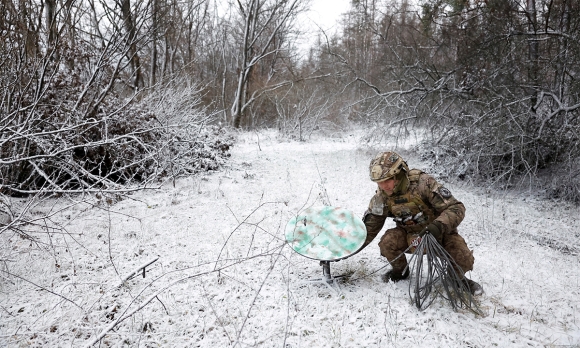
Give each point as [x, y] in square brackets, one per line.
[125, 146]
[488, 147]
[59, 151]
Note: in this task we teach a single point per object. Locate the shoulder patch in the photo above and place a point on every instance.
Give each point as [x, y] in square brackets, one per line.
[444, 192]
[377, 204]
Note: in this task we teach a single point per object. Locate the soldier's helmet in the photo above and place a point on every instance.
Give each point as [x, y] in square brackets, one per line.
[386, 165]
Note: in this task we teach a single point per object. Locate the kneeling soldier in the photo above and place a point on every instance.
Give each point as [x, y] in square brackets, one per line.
[419, 205]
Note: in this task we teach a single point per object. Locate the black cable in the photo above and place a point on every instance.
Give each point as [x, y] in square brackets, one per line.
[437, 274]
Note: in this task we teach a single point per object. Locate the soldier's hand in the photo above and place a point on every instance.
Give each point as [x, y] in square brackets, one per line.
[434, 229]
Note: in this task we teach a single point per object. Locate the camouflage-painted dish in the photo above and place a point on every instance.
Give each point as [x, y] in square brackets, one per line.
[326, 233]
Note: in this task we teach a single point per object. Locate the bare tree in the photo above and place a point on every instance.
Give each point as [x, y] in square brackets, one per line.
[531, 14]
[131, 29]
[155, 29]
[266, 30]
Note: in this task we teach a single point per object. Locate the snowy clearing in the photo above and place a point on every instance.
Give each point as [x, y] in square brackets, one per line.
[225, 278]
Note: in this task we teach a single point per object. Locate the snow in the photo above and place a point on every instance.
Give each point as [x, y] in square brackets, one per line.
[225, 277]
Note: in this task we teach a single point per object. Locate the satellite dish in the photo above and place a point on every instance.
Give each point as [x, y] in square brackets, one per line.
[326, 234]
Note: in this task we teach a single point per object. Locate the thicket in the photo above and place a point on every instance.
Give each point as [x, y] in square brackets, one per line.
[495, 83]
[76, 115]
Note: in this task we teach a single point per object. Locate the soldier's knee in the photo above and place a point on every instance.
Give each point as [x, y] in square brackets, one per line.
[456, 247]
[465, 260]
[394, 240]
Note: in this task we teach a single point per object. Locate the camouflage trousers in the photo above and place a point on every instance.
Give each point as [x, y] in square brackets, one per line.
[394, 242]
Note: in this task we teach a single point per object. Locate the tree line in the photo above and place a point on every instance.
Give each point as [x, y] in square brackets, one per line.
[97, 92]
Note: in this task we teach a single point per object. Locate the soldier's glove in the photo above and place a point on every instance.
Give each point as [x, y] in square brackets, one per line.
[434, 229]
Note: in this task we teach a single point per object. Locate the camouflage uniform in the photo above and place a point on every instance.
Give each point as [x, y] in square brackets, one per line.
[420, 201]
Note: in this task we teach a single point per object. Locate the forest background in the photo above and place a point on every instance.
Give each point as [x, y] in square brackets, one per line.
[97, 94]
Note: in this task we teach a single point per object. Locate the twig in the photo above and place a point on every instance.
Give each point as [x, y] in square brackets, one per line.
[43, 288]
[216, 315]
[130, 275]
[109, 243]
[256, 296]
[166, 311]
[237, 227]
[325, 197]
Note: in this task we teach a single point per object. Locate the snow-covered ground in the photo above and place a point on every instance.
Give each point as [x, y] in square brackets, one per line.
[225, 278]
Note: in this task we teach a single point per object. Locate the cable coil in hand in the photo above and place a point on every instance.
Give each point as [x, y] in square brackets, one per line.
[436, 273]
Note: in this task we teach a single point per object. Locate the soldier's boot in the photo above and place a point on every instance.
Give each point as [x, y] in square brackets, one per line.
[473, 287]
[395, 276]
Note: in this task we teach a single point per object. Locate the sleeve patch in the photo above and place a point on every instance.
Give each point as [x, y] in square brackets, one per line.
[445, 193]
[377, 205]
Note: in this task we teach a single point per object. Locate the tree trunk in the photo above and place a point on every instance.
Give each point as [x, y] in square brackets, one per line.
[155, 26]
[560, 78]
[533, 51]
[131, 40]
[51, 23]
[244, 71]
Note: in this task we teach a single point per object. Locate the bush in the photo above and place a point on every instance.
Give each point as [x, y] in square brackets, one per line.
[52, 150]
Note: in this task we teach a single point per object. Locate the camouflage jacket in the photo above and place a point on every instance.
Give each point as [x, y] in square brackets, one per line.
[424, 201]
